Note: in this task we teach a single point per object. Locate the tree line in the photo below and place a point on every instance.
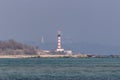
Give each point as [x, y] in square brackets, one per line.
[14, 47]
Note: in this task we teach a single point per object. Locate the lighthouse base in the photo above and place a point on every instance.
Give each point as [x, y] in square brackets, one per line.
[60, 50]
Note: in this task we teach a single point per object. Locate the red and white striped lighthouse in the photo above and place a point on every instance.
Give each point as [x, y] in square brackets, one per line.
[59, 48]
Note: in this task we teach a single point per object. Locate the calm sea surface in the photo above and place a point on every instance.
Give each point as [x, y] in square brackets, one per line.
[60, 69]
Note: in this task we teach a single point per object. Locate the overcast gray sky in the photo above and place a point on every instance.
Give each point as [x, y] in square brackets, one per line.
[92, 21]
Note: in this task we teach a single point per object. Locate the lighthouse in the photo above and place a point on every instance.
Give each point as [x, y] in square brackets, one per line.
[59, 48]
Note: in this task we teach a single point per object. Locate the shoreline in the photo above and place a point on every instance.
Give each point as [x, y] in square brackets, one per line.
[43, 56]
[57, 56]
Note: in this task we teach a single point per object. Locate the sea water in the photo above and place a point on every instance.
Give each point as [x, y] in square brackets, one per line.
[60, 69]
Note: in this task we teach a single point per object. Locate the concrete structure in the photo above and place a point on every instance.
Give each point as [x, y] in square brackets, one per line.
[68, 51]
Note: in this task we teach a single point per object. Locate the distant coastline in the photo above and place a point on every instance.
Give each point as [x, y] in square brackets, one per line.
[59, 56]
[14, 49]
